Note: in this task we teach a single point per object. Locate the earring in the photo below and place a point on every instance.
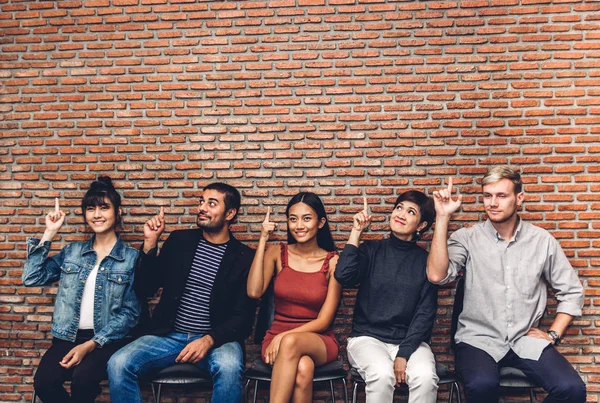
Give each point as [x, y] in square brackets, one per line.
[418, 234]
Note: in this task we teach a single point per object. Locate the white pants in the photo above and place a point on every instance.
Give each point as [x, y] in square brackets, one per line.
[374, 361]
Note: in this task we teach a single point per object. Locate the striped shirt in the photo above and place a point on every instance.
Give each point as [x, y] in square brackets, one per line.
[193, 315]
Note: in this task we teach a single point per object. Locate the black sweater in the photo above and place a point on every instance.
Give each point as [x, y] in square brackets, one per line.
[395, 302]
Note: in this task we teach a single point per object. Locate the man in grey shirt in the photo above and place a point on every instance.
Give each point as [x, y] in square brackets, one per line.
[506, 263]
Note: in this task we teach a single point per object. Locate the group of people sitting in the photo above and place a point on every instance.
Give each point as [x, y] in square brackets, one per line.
[210, 282]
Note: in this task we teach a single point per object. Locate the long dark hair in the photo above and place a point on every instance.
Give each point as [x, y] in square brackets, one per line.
[100, 189]
[324, 238]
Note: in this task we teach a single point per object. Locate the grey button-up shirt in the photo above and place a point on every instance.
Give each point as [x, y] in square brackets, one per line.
[505, 287]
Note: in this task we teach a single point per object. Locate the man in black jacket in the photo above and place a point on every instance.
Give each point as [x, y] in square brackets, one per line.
[395, 304]
[204, 313]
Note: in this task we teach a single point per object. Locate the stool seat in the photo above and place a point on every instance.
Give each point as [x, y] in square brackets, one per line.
[177, 374]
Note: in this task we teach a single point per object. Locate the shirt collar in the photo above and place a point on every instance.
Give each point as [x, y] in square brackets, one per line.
[494, 234]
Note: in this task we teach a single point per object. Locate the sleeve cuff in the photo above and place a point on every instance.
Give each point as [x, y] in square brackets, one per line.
[570, 308]
[405, 352]
[34, 244]
[100, 340]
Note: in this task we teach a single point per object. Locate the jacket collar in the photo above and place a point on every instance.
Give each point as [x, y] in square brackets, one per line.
[117, 252]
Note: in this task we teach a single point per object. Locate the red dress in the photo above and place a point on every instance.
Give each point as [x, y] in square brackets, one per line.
[299, 297]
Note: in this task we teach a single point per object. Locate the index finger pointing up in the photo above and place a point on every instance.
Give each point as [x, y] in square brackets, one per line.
[162, 212]
[56, 205]
[268, 214]
[365, 205]
[450, 185]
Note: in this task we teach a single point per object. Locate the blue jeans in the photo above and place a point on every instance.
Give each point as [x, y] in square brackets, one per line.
[149, 354]
[479, 372]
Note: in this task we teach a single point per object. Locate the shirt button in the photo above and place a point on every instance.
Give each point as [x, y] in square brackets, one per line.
[99, 287]
[102, 269]
[68, 269]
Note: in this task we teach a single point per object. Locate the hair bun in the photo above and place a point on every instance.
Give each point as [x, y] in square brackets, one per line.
[102, 182]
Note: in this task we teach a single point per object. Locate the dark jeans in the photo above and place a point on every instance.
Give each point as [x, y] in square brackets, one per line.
[552, 371]
[85, 377]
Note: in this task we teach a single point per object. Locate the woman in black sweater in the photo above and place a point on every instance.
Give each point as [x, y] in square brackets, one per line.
[396, 304]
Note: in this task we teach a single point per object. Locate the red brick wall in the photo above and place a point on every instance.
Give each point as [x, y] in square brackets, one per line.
[346, 98]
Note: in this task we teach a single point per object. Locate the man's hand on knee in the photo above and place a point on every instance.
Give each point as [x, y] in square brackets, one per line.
[196, 350]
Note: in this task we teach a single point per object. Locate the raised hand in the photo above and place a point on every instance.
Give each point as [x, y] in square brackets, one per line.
[153, 228]
[267, 226]
[55, 218]
[444, 205]
[362, 219]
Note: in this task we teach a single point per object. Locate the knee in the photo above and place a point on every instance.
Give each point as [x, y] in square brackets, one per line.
[81, 382]
[288, 347]
[228, 362]
[305, 373]
[570, 390]
[380, 376]
[422, 375]
[481, 385]
[45, 383]
[119, 366]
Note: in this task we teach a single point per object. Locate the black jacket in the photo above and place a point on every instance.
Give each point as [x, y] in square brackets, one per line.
[231, 310]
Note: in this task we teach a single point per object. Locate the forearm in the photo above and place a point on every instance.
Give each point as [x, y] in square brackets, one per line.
[318, 325]
[256, 277]
[421, 325]
[39, 269]
[48, 236]
[354, 238]
[437, 262]
[348, 269]
[121, 325]
[561, 322]
[149, 245]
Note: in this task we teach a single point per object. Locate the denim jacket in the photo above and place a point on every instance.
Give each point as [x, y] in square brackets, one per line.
[116, 307]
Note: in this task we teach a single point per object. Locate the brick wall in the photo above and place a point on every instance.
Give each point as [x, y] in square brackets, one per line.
[346, 98]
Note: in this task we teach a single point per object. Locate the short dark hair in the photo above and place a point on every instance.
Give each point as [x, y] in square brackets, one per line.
[99, 190]
[232, 200]
[425, 203]
[324, 237]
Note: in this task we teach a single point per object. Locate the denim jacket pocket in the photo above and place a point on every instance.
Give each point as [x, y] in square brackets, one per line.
[69, 276]
[117, 284]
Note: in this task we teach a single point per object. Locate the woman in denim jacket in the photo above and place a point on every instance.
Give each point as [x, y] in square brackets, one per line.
[96, 307]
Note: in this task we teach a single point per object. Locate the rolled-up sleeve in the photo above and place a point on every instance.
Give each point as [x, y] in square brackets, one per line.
[457, 256]
[563, 278]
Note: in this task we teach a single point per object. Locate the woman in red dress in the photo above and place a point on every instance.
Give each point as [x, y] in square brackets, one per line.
[306, 297]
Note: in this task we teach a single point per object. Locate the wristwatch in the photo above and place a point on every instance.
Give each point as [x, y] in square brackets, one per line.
[554, 336]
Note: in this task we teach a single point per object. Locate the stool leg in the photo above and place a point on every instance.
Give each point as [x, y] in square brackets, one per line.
[458, 396]
[246, 390]
[332, 392]
[354, 392]
[345, 390]
[156, 392]
[255, 390]
[33, 396]
[451, 393]
[532, 396]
